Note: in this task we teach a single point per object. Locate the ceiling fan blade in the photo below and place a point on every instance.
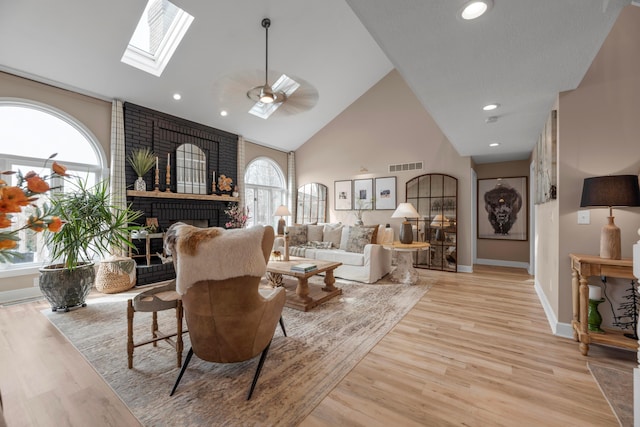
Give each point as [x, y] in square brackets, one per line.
[231, 90]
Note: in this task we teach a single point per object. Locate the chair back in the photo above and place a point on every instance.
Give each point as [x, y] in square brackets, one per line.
[228, 320]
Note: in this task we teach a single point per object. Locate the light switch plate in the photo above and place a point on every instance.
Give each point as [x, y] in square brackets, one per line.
[584, 217]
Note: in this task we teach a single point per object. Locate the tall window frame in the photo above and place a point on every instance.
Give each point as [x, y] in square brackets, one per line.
[265, 190]
[15, 159]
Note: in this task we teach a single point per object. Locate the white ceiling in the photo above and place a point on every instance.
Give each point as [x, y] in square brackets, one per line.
[520, 55]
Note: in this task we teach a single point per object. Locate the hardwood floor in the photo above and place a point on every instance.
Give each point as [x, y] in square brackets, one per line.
[477, 350]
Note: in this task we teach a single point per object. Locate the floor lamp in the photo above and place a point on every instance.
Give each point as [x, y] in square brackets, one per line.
[610, 191]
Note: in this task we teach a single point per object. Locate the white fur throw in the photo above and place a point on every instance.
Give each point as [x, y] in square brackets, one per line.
[214, 253]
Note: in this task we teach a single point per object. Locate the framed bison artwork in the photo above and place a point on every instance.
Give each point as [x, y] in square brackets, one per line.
[502, 208]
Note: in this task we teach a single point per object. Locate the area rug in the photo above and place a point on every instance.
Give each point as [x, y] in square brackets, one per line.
[617, 387]
[322, 346]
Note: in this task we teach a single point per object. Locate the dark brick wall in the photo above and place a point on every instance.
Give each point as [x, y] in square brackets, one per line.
[163, 133]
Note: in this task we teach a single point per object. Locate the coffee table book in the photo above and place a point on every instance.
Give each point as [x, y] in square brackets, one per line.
[304, 267]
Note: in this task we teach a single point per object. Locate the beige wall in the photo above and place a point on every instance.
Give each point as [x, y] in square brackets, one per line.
[599, 134]
[503, 250]
[94, 114]
[387, 125]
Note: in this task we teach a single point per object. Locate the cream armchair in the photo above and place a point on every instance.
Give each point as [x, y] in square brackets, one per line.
[229, 320]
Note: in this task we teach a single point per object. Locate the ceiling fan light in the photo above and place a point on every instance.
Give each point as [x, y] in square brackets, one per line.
[266, 96]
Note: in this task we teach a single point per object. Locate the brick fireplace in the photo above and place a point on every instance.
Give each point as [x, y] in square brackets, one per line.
[163, 134]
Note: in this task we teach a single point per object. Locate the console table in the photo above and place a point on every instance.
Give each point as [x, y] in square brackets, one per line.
[583, 266]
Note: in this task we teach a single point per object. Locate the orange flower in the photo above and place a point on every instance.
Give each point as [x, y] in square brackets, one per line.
[55, 224]
[4, 221]
[37, 184]
[11, 199]
[59, 169]
[36, 224]
[8, 244]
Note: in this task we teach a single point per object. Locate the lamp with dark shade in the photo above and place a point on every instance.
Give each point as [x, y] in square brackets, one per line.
[406, 210]
[282, 211]
[610, 191]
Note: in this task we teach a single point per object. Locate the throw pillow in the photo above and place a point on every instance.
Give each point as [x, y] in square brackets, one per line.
[345, 237]
[297, 235]
[374, 236]
[359, 237]
[314, 232]
[332, 234]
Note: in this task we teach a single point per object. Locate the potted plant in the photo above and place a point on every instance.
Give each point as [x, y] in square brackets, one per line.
[142, 160]
[92, 227]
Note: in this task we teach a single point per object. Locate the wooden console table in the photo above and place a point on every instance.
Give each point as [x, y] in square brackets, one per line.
[583, 266]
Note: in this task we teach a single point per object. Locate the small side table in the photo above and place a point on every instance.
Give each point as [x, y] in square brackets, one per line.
[405, 272]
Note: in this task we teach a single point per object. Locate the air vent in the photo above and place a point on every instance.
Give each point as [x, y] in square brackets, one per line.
[413, 166]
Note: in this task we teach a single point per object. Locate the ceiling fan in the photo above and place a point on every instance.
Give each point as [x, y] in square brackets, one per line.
[296, 94]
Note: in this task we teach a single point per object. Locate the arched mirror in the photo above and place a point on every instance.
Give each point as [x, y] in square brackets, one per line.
[312, 203]
[435, 196]
[191, 170]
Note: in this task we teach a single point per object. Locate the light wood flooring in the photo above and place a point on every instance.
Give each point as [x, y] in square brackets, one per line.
[475, 351]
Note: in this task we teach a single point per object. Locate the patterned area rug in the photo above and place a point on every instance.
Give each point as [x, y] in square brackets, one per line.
[616, 385]
[322, 346]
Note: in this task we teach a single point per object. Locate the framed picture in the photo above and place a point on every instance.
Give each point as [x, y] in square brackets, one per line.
[363, 193]
[385, 197]
[502, 208]
[343, 195]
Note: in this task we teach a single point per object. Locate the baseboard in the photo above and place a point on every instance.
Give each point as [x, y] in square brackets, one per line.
[17, 295]
[465, 268]
[503, 263]
[559, 329]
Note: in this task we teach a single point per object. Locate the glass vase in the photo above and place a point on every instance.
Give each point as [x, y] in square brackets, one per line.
[140, 184]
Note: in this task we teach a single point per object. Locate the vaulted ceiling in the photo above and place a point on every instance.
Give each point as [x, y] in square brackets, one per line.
[520, 55]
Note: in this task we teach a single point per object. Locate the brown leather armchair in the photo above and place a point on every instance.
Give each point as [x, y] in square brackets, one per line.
[229, 320]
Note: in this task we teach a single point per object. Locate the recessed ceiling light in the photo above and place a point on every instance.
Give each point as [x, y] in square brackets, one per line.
[177, 96]
[490, 107]
[494, 144]
[223, 113]
[475, 9]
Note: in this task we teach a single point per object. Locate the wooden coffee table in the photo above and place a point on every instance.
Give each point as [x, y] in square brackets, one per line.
[306, 295]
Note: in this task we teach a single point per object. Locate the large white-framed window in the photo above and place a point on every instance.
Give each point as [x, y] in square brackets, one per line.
[30, 132]
[265, 190]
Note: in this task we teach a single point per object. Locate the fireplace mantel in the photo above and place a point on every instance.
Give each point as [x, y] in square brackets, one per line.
[166, 195]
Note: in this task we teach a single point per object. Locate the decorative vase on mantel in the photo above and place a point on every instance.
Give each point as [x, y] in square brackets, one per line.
[142, 161]
[140, 184]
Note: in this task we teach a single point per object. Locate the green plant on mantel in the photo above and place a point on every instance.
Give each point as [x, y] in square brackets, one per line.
[141, 160]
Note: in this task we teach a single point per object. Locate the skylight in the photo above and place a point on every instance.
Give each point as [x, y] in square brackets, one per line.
[157, 36]
[283, 84]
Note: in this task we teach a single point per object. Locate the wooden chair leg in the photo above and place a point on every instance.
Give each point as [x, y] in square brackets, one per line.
[184, 367]
[130, 333]
[154, 327]
[260, 363]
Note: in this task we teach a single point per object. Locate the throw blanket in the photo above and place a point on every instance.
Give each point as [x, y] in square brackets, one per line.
[214, 253]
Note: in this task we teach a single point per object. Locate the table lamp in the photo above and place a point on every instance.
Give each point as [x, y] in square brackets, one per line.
[440, 222]
[609, 191]
[282, 211]
[406, 211]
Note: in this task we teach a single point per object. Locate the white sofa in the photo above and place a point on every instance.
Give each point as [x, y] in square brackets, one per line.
[330, 242]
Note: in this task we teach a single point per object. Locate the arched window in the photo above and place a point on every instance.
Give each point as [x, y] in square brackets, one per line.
[265, 190]
[31, 132]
